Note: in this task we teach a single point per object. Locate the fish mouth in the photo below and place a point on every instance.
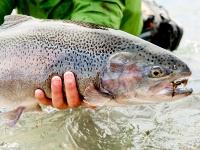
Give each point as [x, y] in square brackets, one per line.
[177, 88]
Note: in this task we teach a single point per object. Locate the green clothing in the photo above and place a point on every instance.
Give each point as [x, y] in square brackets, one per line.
[120, 14]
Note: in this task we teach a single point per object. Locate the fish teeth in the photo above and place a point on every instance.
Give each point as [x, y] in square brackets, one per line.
[178, 82]
[181, 82]
[184, 83]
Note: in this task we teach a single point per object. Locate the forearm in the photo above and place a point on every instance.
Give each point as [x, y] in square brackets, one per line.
[6, 7]
[105, 12]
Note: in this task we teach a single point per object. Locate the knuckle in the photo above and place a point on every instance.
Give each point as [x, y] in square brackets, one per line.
[70, 85]
[56, 92]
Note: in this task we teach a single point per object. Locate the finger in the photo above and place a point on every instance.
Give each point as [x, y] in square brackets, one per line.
[72, 94]
[57, 93]
[41, 97]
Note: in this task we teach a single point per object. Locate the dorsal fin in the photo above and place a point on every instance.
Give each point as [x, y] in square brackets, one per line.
[86, 24]
[11, 20]
[16, 18]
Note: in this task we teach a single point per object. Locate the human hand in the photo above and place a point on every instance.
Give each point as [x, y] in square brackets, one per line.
[57, 100]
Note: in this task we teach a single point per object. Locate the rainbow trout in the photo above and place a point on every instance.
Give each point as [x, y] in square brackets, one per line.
[111, 67]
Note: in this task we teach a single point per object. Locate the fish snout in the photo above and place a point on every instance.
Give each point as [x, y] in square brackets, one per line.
[186, 71]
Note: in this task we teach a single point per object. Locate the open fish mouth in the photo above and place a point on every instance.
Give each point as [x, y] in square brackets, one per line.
[178, 87]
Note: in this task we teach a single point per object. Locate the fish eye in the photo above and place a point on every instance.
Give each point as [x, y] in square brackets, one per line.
[156, 72]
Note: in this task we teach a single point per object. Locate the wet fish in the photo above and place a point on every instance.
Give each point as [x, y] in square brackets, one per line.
[111, 67]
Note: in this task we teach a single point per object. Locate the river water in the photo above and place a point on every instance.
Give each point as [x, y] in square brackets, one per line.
[174, 125]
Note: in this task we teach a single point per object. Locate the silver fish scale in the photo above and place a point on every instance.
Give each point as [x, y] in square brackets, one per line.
[33, 51]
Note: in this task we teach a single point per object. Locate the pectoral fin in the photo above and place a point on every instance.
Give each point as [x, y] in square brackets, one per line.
[9, 119]
[94, 97]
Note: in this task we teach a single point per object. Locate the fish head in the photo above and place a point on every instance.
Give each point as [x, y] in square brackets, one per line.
[145, 76]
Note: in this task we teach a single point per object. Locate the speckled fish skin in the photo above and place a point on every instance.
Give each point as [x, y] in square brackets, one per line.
[33, 50]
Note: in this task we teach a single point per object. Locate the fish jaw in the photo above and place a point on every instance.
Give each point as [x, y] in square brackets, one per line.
[165, 92]
[168, 94]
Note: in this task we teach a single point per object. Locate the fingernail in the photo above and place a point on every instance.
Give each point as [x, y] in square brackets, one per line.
[56, 81]
[38, 94]
[69, 77]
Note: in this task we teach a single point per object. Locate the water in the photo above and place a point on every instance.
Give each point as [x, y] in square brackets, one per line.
[174, 125]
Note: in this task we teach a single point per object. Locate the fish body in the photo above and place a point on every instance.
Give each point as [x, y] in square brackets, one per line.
[111, 66]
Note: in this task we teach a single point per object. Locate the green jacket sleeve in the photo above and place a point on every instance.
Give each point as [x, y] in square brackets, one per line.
[104, 12]
[119, 14]
[6, 7]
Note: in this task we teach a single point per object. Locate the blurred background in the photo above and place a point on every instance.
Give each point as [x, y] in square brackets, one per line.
[174, 125]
